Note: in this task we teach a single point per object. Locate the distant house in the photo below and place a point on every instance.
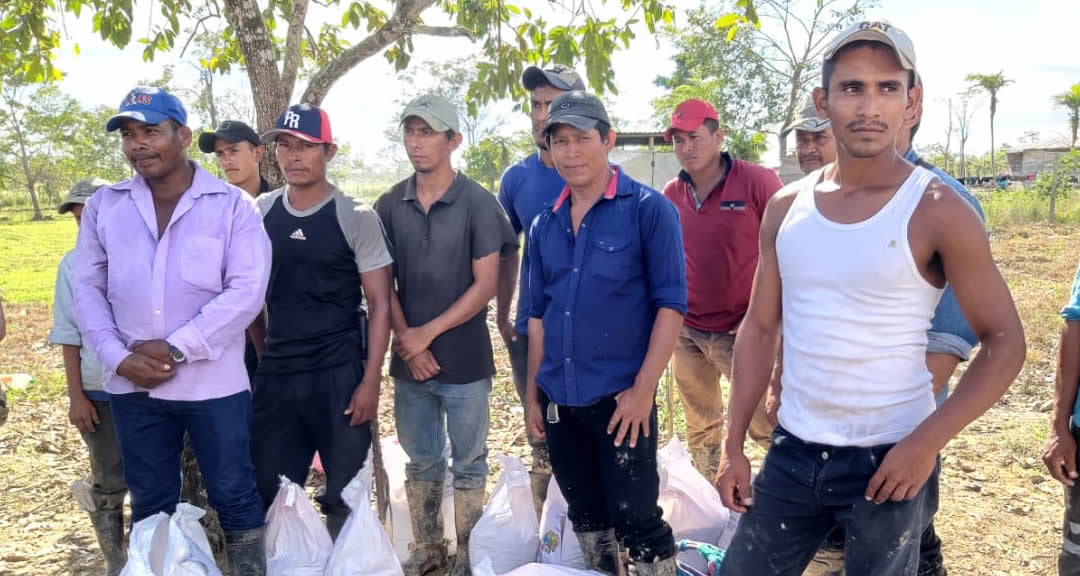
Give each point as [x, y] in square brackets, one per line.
[1028, 163]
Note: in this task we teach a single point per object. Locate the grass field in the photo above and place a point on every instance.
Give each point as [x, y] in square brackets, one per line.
[30, 253]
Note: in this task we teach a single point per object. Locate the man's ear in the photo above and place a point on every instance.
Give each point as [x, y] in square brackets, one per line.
[260, 151]
[913, 111]
[821, 103]
[331, 152]
[185, 136]
[610, 144]
[455, 141]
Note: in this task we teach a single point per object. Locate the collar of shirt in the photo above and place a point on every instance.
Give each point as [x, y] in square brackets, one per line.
[684, 176]
[609, 194]
[203, 182]
[448, 197]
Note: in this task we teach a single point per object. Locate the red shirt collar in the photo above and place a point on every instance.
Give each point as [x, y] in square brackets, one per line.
[609, 194]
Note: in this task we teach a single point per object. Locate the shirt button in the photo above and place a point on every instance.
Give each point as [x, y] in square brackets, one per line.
[582, 224]
[575, 270]
[157, 312]
[824, 455]
[567, 359]
[567, 312]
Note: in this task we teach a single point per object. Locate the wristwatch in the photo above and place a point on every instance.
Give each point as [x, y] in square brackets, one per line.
[176, 354]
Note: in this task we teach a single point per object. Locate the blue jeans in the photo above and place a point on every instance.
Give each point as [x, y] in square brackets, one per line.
[425, 412]
[151, 435]
[806, 490]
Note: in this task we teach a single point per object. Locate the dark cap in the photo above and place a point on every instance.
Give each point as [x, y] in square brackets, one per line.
[81, 192]
[231, 131]
[148, 105]
[560, 77]
[578, 109]
[304, 121]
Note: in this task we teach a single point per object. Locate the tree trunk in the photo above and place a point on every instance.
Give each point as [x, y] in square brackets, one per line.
[993, 165]
[1053, 195]
[31, 187]
[782, 141]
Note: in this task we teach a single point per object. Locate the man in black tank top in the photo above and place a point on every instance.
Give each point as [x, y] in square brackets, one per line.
[314, 389]
[846, 469]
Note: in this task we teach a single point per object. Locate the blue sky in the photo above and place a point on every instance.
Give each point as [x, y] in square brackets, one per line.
[1034, 42]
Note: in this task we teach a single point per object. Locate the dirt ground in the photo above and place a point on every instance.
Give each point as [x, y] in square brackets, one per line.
[1000, 511]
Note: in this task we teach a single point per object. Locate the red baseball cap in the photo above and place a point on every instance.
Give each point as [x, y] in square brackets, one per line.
[689, 115]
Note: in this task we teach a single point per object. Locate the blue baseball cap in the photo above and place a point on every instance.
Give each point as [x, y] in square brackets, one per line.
[150, 106]
[304, 121]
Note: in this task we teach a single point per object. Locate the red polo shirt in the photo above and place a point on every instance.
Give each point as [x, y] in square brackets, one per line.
[721, 242]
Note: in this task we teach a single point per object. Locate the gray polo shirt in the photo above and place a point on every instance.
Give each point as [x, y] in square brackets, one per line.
[433, 256]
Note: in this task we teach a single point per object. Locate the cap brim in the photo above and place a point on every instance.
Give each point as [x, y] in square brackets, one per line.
[270, 136]
[436, 124]
[812, 125]
[146, 117]
[68, 205]
[873, 35]
[582, 123]
[684, 125]
[207, 141]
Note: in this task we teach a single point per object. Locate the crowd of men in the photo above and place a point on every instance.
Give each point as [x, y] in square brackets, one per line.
[257, 321]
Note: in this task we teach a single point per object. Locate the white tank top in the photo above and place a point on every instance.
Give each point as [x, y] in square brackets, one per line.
[855, 313]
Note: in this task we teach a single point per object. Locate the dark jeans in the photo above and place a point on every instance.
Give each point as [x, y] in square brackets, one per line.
[151, 434]
[804, 491]
[1069, 557]
[608, 486]
[106, 463]
[299, 413]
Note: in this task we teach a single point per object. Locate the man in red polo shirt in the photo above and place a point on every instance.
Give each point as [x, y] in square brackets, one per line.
[721, 200]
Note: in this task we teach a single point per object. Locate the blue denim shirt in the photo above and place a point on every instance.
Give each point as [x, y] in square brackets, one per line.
[949, 332]
[598, 293]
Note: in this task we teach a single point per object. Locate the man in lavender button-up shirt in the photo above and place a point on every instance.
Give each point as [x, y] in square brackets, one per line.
[173, 267]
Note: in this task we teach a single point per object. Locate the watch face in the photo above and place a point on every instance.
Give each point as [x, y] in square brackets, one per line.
[176, 354]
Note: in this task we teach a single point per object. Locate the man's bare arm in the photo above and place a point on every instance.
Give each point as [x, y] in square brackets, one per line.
[508, 275]
[377, 291]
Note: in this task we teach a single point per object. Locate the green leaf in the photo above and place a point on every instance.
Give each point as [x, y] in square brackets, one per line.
[727, 21]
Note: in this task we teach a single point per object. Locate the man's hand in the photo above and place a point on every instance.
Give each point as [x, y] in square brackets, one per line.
[733, 481]
[144, 371]
[364, 405]
[1060, 456]
[423, 366]
[155, 349]
[81, 412]
[534, 418]
[413, 341]
[633, 407]
[506, 330]
[903, 472]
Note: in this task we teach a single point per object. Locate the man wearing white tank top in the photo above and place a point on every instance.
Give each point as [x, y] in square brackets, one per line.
[856, 255]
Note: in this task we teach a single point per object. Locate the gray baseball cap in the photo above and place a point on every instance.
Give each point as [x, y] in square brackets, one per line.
[808, 120]
[559, 77]
[81, 192]
[578, 109]
[878, 31]
[435, 110]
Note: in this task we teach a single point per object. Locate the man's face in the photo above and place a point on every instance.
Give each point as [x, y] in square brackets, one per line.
[580, 156]
[539, 104]
[76, 211]
[238, 160]
[867, 101]
[814, 149]
[696, 150]
[427, 149]
[154, 150]
[303, 163]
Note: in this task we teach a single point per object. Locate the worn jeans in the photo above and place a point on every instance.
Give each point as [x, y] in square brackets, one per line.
[300, 413]
[426, 412]
[1069, 557]
[608, 486]
[151, 434]
[806, 490]
[106, 462]
[518, 351]
[700, 359]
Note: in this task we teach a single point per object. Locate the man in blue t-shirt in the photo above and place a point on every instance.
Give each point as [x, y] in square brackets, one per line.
[526, 189]
[1061, 446]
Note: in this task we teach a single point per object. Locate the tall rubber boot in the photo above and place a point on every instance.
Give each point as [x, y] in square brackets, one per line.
[665, 567]
[468, 506]
[427, 553]
[600, 551]
[246, 550]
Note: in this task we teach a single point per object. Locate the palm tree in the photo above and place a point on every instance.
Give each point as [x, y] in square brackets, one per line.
[1070, 99]
[989, 83]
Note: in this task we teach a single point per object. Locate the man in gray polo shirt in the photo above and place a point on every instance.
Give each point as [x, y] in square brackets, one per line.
[447, 235]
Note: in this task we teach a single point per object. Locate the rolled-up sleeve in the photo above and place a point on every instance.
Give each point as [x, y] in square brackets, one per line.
[1071, 311]
[246, 275]
[65, 330]
[663, 246]
[92, 307]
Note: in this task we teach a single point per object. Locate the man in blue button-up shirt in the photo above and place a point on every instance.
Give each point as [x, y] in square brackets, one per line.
[608, 299]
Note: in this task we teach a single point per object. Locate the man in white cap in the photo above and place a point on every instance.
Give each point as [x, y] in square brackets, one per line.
[870, 236]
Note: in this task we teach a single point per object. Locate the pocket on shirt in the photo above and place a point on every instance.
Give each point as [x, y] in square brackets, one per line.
[611, 257]
[200, 263]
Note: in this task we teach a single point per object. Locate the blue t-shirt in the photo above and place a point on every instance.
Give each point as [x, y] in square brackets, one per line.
[1071, 313]
[598, 293]
[526, 189]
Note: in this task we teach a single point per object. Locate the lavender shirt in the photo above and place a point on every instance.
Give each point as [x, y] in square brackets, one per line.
[198, 287]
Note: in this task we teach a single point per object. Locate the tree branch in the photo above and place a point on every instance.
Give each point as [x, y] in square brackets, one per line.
[292, 47]
[444, 31]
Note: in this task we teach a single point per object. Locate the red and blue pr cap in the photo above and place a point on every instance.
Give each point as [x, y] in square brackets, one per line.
[148, 105]
[304, 121]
